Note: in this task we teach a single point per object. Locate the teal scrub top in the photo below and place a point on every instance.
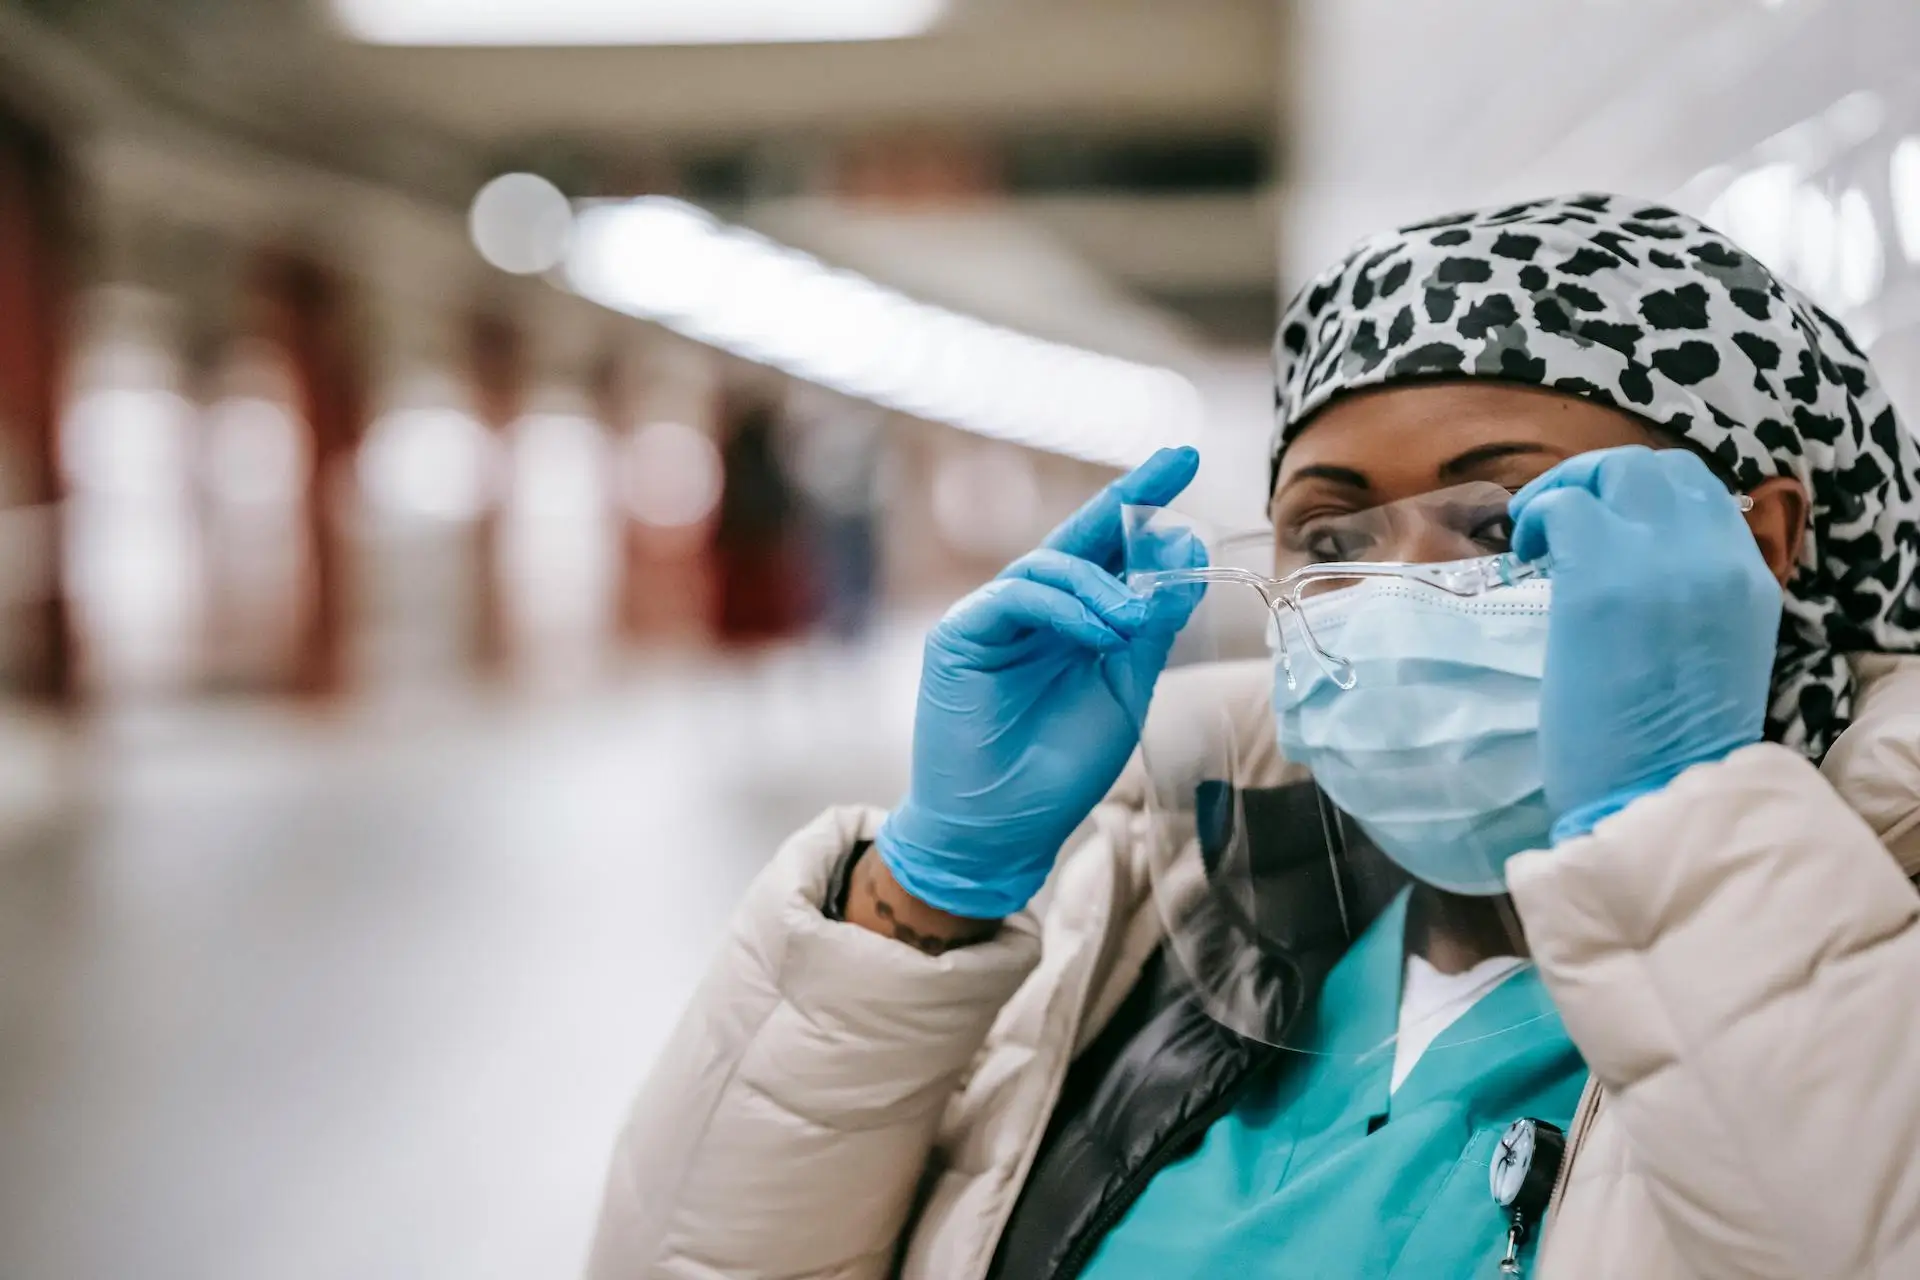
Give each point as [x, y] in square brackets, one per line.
[1319, 1174]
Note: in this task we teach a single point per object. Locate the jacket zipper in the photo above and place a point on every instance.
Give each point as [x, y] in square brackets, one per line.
[1117, 1205]
[1583, 1116]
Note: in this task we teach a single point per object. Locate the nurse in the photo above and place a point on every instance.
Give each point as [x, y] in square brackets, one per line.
[1675, 933]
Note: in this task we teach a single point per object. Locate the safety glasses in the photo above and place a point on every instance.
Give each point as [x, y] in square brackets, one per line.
[1451, 541]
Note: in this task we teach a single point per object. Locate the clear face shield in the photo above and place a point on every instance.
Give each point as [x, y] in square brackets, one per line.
[1344, 746]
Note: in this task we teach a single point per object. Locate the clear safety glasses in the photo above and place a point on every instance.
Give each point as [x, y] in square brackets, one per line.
[1452, 540]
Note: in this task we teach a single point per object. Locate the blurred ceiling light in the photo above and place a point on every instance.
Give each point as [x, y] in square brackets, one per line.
[1703, 188]
[670, 475]
[632, 22]
[1815, 142]
[1903, 177]
[521, 223]
[1859, 258]
[1816, 242]
[1832, 249]
[436, 463]
[1757, 210]
[256, 454]
[669, 262]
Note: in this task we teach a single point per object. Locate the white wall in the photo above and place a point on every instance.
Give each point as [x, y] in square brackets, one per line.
[1404, 109]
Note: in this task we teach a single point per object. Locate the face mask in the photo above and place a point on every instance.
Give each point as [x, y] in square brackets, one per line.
[1435, 748]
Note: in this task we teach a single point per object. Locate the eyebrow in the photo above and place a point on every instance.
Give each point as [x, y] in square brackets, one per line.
[1338, 475]
[1474, 459]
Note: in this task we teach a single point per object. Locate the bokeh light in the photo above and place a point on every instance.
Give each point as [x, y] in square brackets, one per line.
[670, 475]
[431, 463]
[986, 501]
[256, 453]
[521, 223]
[130, 443]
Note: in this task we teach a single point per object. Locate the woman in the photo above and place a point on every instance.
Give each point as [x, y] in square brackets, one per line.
[910, 1058]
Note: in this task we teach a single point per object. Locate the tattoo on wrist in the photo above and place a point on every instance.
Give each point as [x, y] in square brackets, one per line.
[930, 943]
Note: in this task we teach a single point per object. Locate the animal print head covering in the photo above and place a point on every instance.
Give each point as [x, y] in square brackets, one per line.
[1646, 310]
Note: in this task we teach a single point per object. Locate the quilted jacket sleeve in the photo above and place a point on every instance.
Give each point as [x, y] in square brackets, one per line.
[783, 1130]
[1738, 957]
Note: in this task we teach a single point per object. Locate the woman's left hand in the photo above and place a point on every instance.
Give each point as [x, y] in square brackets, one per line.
[1661, 636]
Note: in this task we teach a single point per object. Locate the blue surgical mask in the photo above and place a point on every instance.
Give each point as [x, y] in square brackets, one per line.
[1435, 748]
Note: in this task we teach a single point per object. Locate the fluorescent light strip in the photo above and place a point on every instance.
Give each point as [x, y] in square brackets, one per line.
[632, 22]
[1903, 180]
[666, 261]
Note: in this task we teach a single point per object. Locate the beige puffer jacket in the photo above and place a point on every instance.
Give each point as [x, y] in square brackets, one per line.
[1737, 956]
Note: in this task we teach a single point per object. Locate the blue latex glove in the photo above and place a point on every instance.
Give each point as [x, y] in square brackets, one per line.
[1661, 637]
[1031, 693]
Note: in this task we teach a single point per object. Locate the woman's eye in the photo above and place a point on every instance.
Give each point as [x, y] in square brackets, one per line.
[1495, 533]
[1333, 543]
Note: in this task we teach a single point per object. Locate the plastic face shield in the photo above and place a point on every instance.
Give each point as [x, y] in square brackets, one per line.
[1263, 881]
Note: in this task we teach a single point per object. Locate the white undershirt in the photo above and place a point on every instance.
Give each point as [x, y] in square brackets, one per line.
[1432, 1001]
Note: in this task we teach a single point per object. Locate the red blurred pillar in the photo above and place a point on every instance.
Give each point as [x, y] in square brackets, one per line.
[36, 295]
[497, 370]
[308, 313]
[666, 484]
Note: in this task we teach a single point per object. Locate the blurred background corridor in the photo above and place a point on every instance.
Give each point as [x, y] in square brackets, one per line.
[474, 475]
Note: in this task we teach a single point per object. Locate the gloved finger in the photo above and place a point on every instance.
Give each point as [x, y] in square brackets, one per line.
[1093, 532]
[1700, 494]
[1170, 546]
[1157, 550]
[1571, 525]
[1010, 609]
[1132, 672]
[1118, 605]
[1638, 482]
[1662, 488]
[1689, 472]
[1131, 675]
[1170, 607]
[1582, 471]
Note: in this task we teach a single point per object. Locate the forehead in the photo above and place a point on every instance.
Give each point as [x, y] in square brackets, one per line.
[1404, 436]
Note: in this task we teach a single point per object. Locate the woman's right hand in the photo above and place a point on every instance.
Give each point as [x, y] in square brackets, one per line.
[1031, 695]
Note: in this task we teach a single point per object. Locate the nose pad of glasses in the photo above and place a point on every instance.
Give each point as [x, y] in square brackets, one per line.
[1277, 609]
[1337, 668]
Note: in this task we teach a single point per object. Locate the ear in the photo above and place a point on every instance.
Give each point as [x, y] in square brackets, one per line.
[1779, 523]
